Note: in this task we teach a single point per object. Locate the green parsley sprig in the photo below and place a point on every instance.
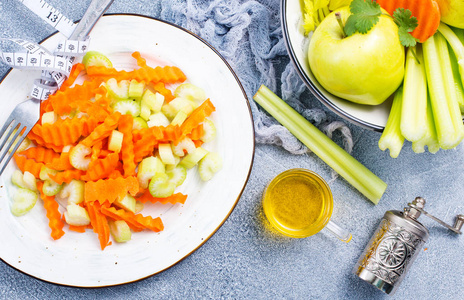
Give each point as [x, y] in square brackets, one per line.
[365, 14]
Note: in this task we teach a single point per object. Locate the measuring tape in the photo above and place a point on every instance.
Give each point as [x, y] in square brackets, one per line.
[56, 66]
[50, 15]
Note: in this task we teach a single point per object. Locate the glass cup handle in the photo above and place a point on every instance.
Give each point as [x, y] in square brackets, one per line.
[342, 234]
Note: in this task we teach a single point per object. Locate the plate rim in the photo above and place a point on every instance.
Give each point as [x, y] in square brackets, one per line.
[309, 84]
[239, 195]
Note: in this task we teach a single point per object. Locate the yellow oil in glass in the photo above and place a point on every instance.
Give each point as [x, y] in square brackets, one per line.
[298, 203]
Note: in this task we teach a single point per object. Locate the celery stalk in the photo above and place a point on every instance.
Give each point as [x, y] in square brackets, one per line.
[344, 164]
[457, 80]
[446, 112]
[392, 137]
[459, 33]
[456, 44]
[430, 139]
[414, 107]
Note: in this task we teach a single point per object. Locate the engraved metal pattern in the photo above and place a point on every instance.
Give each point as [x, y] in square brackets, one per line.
[390, 251]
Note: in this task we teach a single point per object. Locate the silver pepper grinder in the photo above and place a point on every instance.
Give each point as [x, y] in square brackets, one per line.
[395, 245]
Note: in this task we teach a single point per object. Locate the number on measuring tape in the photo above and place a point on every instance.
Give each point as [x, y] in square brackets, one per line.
[55, 66]
[50, 15]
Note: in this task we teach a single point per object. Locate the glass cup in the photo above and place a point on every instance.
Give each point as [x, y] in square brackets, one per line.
[298, 203]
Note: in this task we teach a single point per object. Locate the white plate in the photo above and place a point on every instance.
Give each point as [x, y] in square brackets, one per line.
[76, 258]
[371, 117]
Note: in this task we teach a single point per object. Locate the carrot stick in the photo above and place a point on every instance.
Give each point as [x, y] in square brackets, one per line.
[66, 176]
[166, 74]
[61, 163]
[127, 148]
[55, 223]
[30, 165]
[197, 116]
[75, 71]
[173, 199]
[103, 130]
[99, 223]
[101, 168]
[136, 221]
[40, 154]
[110, 190]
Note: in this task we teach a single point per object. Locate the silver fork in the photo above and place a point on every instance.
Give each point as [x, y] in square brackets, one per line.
[26, 114]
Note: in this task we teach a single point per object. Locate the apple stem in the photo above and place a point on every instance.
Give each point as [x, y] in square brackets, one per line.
[339, 20]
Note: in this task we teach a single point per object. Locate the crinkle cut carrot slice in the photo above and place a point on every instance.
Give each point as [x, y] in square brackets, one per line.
[197, 116]
[40, 154]
[135, 221]
[55, 223]
[173, 199]
[99, 223]
[127, 149]
[28, 164]
[103, 130]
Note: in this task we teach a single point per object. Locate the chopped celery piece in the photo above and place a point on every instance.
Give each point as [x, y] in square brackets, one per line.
[76, 215]
[30, 181]
[430, 139]
[184, 145]
[158, 119]
[169, 111]
[115, 141]
[45, 173]
[17, 179]
[51, 188]
[154, 101]
[181, 104]
[178, 104]
[391, 137]
[136, 89]
[210, 131]
[192, 159]
[139, 123]
[145, 111]
[78, 157]
[127, 203]
[148, 167]
[127, 107]
[120, 231]
[446, 111]
[73, 191]
[414, 107]
[344, 164]
[94, 58]
[165, 153]
[210, 164]
[23, 201]
[180, 117]
[138, 207]
[118, 90]
[49, 117]
[177, 175]
[67, 148]
[23, 146]
[160, 186]
[191, 92]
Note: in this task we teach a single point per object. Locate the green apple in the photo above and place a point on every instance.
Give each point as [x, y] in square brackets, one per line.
[362, 68]
[452, 12]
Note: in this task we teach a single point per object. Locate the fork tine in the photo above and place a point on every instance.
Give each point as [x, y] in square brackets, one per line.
[7, 131]
[4, 162]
